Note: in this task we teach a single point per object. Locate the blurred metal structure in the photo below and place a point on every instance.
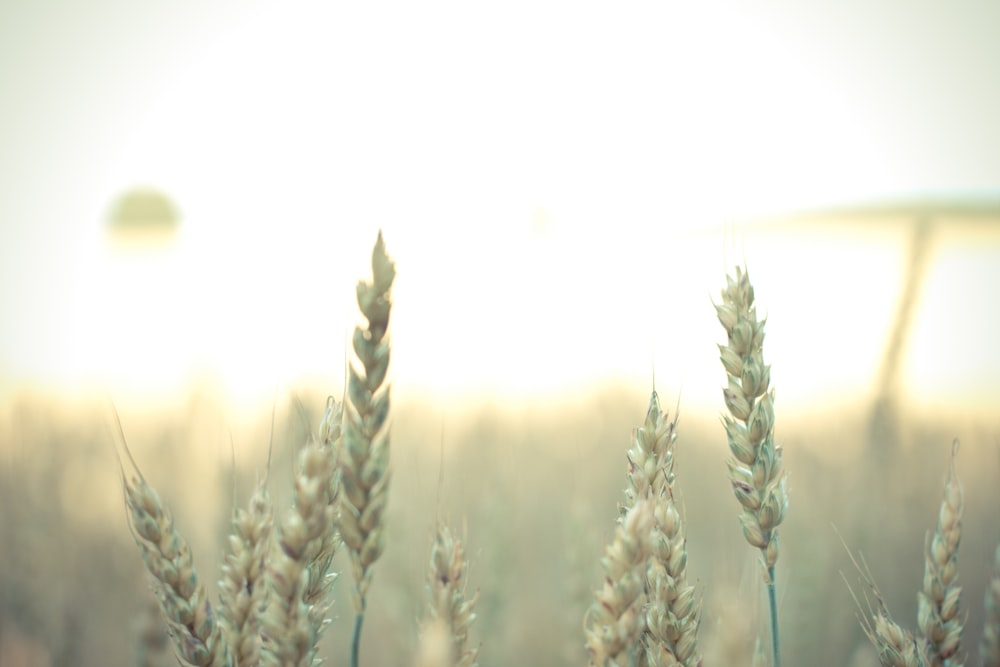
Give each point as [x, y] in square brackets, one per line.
[925, 219]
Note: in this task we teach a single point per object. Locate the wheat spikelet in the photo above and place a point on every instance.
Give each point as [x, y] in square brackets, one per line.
[197, 636]
[938, 603]
[449, 604]
[614, 622]
[288, 626]
[243, 589]
[989, 646]
[670, 632]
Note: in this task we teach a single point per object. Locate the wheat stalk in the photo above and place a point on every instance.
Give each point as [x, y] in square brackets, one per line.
[755, 469]
[197, 635]
[989, 646]
[614, 622]
[365, 451]
[448, 602]
[938, 603]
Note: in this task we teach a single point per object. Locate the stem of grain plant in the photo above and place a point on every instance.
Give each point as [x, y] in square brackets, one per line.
[755, 469]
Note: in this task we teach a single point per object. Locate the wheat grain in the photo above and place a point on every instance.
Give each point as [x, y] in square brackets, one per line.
[938, 614]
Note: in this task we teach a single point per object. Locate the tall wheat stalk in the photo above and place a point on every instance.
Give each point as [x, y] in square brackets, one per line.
[755, 469]
[365, 451]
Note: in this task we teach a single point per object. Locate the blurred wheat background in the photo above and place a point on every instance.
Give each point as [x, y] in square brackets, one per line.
[188, 194]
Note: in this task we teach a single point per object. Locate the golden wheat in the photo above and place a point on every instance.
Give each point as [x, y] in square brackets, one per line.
[670, 627]
[615, 620]
[243, 588]
[196, 633]
[938, 614]
[755, 469]
[448, 602]
[365, 450]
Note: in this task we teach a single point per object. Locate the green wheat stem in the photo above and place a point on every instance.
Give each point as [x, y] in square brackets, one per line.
[359, 620]
[772, 600]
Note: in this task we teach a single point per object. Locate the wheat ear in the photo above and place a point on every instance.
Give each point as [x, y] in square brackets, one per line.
[938, 603]
[896, 646]
[614, 622]
[289, 626]
[365, 451]
[755, 471]
[449, 604]
[243, 588]
[197, 636]
[670, 634]
[989, 646]
[321, 577]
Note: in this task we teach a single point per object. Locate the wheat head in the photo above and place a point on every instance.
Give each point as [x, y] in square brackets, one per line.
[615, 620]
[289, 626]
[755, 469]
[448, 602]
[196, 633]
[365, 451]
[243, 587]
[670, 634]
[938, 614]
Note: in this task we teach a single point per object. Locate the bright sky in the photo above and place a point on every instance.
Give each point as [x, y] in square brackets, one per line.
[552, 178]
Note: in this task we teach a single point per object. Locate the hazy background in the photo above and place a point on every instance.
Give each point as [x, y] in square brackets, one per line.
[189, 191]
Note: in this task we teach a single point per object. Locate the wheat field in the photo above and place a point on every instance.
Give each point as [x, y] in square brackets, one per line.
[604, 527]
